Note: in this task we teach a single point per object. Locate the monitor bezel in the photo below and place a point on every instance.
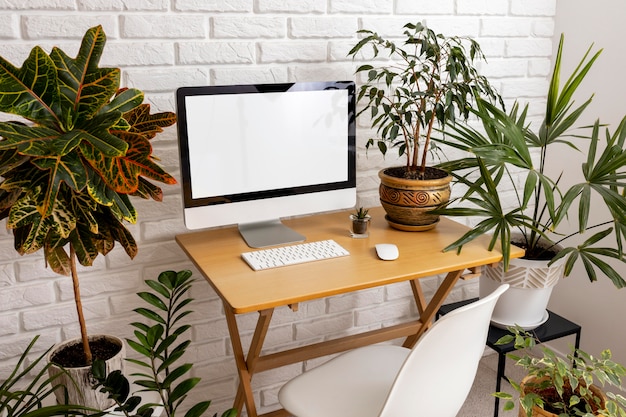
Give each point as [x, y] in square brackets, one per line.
[183, 92]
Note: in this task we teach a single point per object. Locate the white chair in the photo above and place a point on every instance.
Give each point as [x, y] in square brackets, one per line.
[432, 379]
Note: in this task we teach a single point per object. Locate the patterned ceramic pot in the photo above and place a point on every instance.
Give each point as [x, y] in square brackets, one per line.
[407, 201]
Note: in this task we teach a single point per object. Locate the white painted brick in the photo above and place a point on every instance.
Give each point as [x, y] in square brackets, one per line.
[38, 5]
[529, 47]
[322, 27]
[348, 302]
[162, 230]
[274, 52]
[9, 324]
[190, 53]
[304, 72]
[19, 296]
[543, 27]
[324, 326]
[382, 313]
[517, 27]
[291, 6]
[539, 67]
[361, 6]
[91, 286]
[9, 26]
[481, 7]
[249, 27]
[391, 27]
[163, 26]
[123, 5]
[7, 275]
[164, 80]
[536, 87]
[456, 26]
[66, 26]
[533, 7]
[424, 7]
[125, 54]
[210, 328]
[32, 268]
[496, 68]
[273, 74]
[15, 346]
[213, 5]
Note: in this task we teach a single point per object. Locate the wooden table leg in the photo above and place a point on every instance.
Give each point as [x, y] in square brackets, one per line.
[428, 311]
[245, 366]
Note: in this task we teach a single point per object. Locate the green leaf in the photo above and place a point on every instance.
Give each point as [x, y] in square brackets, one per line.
[31, 91]
[84, 88]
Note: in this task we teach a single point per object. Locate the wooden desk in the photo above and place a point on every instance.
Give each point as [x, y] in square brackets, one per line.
[216, 253]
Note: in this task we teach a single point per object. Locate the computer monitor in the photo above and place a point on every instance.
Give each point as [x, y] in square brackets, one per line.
[253, 154]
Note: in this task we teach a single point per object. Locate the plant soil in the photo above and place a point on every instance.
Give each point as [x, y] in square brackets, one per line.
[73, 356]
[539, 253]
[430, 173]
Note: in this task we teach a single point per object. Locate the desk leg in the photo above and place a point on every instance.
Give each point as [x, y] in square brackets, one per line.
[245, 367]
[428, 311]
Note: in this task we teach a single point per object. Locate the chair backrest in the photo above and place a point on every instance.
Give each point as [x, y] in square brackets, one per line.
[439, 372]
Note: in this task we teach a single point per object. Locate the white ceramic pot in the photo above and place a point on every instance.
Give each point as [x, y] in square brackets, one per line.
[79, 381]
[525, 302]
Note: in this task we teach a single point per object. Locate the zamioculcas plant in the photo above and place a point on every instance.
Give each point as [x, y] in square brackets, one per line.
[68, 164]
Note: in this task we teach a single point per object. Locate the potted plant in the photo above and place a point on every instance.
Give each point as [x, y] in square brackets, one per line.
[157, 341]
[360, 219]
[558, 387]
[25, 391]
[431, 80]
[536, 219]
[68, 164]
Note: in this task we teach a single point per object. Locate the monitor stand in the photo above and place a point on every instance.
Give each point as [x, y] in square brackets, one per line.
[269, 233]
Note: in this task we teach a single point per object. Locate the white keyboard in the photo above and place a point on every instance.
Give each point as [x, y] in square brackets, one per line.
[293, 254]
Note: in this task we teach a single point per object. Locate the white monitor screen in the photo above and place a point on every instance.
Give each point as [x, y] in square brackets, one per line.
[256, 152]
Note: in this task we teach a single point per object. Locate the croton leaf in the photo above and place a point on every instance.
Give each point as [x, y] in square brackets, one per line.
[149, 125]
[32, 90]
[30, 140]
[33, 226]
[10, 159]
[83, 242]
[84, 87]
[148, 190]
[67, 169]
[58, 260]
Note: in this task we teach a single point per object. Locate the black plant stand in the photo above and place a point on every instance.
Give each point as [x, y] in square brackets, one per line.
[554, 328]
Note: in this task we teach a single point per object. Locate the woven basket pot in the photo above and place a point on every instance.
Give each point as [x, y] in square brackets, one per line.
[79, 381]
[407, 201]
[539, 412]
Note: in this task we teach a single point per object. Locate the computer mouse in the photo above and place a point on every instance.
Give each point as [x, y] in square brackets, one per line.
[387, 251]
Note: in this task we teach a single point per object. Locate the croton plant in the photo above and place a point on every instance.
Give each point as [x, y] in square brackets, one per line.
[80, 148]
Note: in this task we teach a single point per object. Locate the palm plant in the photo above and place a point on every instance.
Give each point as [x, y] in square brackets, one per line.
[507, 143]
[68, 166]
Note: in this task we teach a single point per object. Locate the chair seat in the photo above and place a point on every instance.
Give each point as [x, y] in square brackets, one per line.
[366, 373]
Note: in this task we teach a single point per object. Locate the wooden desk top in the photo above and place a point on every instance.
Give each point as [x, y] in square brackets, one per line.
[217, 254]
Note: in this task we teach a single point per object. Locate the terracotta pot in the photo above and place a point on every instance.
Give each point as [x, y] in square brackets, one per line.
[407, 201]
[539, 412]
[79, 381]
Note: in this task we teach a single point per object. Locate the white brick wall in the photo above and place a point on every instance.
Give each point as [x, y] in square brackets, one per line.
[164, 44]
